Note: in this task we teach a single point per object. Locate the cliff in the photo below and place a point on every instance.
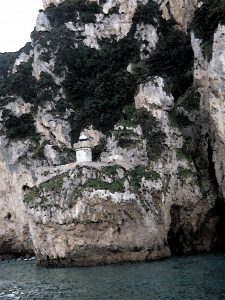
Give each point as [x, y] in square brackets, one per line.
[144, 80]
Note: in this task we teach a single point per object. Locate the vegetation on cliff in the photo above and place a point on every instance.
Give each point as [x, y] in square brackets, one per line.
[206, 20]
[96, 87]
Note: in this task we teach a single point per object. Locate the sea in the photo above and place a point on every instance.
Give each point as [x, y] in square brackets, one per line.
[200, 277]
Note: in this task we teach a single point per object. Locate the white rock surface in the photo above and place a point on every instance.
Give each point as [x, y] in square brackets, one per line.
[210, 77]
[42, 23]
[23, 58]
[152, 96]
[46, 3]
[146, 33]
[181, 10]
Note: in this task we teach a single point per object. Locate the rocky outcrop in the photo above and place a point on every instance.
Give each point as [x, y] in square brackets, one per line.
[96, 220]
[182, 11]
[122, 73]
[210, 77]
[124, 209]
[46, 3]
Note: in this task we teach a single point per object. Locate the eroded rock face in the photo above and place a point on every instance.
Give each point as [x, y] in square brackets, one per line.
[181, 10]
[14, 229]
[94, 215]
[121, 72]
[97, 226]
[210, 77]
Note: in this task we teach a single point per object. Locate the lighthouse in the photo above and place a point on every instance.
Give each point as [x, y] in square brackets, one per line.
[83, 149]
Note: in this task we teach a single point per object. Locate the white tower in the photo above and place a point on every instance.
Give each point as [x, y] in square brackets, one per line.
[83, 149]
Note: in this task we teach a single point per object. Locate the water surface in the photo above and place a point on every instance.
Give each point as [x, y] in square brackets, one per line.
[183, 278]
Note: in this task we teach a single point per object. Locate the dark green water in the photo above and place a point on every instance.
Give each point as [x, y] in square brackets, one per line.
[184, 278]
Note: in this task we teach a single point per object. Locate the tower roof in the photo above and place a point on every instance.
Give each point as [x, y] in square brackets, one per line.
[83, 137]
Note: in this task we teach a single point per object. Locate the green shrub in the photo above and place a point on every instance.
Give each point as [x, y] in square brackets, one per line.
[72, 10]
[183, 154]
[152, 133]
[38, 152]
[138, 173]
[21, 127]
[110, 170]
[54, 185]
[6, 63]
[31, 195]
[21, 83]
[184, 173]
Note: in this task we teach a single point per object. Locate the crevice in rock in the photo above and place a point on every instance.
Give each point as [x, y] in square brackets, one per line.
[175, 234]
[219, 208]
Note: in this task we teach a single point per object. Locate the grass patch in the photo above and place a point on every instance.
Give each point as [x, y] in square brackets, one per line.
[182, 154]
[184, 173]
[110, 170]
[152, 133]
[38, 152]
[138, 173]
[21, 127]
[53, 185]
[31, 195]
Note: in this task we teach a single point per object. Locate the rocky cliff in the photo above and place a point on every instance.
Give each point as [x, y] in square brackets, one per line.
[144, 80]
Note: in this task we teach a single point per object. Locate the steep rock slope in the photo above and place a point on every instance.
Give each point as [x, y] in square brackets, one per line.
[136, 81]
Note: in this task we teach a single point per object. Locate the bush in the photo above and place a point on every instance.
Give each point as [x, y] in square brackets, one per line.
[22, 83]
[6, 63]
[72, 10]
[183, 173]
[53, 185]
[152, 133]
[138, 173]
[21, 127]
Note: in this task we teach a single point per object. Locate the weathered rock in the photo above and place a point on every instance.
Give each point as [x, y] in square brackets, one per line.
[122, 74]
[210, 78]
[182, 10]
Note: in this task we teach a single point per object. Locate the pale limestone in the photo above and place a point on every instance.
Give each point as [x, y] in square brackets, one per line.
[47, 3]
[53, 128]
[121, 225]
[146, 32]
[23, 58]
[42, 23]
[210, 77]
[19, 107]
[152, 96]
[181, 10]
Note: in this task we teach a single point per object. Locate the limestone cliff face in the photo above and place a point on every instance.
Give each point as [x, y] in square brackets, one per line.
[121, 72]
[181, 10]
[210, 77]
